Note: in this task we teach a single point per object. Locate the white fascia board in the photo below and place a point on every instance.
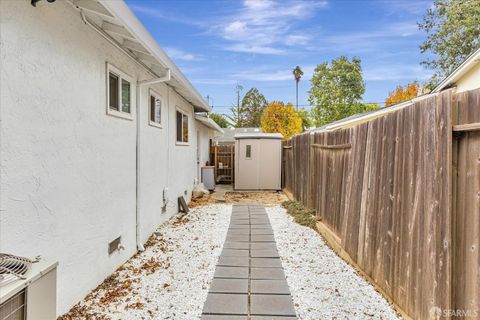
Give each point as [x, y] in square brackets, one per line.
[466, 66]
[209, 123]
[124, 15]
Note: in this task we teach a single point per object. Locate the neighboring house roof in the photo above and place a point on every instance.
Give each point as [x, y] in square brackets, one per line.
[229, 134]
[461, 70]
[258, 135]
[115, 20]
[449, 82]
[209, 123]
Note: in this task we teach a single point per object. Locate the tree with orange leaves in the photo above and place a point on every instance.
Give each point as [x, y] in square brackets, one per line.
[280, 118]
[401, 94]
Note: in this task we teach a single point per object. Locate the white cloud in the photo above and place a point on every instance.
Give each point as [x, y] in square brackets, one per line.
[272, 74]
[267, 26]
[396, 72]
[178, 54]
[240, 47]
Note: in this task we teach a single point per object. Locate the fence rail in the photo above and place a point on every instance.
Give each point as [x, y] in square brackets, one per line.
[388, 189]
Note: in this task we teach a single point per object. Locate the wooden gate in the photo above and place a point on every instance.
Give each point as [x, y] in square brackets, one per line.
[223, 158]
[467, 205]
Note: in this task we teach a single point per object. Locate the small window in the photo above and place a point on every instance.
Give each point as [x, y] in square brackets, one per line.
[155, 109]
[126, 96]
[113, 91]
[120, 94]
[248, 151]
[182, 127]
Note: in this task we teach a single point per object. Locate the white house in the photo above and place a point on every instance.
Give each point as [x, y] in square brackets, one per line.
[99, 137]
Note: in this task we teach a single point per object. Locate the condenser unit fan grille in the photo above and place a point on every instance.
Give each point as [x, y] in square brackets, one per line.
[13, 267]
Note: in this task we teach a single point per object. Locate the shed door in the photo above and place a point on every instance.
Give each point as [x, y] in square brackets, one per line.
[248, 164]
[269, 171]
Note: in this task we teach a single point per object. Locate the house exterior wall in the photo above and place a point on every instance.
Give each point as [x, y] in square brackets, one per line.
[68, 170]
[469, 81]
[205, 135]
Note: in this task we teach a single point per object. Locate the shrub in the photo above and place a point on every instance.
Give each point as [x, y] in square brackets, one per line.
[301, 214]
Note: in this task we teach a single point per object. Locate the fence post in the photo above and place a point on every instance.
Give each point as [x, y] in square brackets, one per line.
[311, 170]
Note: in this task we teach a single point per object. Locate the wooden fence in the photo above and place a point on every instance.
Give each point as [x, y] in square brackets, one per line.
[388, 189]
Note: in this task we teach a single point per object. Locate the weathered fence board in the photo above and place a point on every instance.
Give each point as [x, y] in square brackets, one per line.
[384, 187]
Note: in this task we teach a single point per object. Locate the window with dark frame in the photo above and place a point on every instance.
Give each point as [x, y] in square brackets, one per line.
[155, 109]
[113, 91]
[248, 151]
[119, 95]
[182, 127]
[125, 96]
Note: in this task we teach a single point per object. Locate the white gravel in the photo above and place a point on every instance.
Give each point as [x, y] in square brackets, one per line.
[323, 286]
[170, 279]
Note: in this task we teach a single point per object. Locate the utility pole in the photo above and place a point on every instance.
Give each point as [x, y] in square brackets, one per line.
[238, 88]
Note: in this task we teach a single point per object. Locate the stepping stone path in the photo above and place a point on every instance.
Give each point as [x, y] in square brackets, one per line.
[249, 282]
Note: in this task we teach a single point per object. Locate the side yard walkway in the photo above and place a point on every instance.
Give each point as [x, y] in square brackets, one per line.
[249, 282]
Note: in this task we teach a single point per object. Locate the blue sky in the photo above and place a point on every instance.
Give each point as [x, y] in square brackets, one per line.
[257, 43]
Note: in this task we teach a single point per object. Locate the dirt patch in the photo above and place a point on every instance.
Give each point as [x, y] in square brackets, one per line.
[268, 199]
[203, 201]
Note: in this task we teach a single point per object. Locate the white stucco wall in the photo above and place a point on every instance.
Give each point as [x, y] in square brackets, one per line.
[205, 135]
[68, 170]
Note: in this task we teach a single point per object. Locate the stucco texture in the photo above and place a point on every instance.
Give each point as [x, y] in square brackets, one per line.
[68, 170]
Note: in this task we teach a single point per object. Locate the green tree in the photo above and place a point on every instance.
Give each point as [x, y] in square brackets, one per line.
[253, 104]
[280, 118]
[220, 119]
[297, 74]
[453, 32]
[336, 90]
[307, 120]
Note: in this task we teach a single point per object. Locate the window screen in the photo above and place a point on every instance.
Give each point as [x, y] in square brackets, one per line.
[185, 128]
[125, 96]
[113, 91]
[155, 109]
[179, 127]
[248, 151]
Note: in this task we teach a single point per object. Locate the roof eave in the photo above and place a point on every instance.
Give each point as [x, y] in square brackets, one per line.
[462, 69]
[123, 13]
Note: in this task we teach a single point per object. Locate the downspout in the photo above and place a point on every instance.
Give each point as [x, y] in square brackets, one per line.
[140, 85]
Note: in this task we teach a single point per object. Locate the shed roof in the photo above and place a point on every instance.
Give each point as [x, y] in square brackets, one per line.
[228, 136]
[117, 22]
[258, 135]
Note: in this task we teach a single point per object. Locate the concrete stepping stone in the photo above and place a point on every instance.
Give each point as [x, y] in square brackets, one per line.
[236, 245]
[241, 238]
[237, 286]
[267, 273]
[234, 253]
[262, 246]
[266, 253]
[222, 303]
[262, 238]
[233, 261]
[266, 263]
[249, 282]
[269, 286]
[272, 305]
[229, 317]
[232, 272]
[262, 231]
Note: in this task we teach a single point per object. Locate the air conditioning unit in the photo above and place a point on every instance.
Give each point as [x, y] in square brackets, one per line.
[28, 288]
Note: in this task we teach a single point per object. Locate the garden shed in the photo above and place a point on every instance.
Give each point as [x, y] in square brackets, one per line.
[258, 162]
